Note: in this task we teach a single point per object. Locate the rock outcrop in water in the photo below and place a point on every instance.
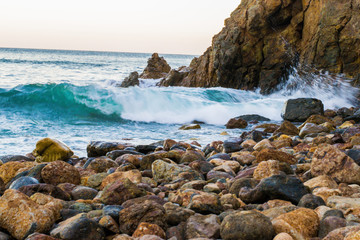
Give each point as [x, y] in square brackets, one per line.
[157, 68]
[263, 40]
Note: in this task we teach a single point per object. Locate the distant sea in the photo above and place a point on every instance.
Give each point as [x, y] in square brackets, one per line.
[73, 96]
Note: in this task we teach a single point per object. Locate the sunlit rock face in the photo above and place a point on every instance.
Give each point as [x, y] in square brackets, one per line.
[263, 40]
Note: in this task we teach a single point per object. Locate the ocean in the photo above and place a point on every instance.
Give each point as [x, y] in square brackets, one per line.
[73, 96]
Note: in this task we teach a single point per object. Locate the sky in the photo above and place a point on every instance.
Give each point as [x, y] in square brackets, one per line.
[164, 26]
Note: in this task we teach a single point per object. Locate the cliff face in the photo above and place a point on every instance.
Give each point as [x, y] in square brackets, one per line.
[263, 39]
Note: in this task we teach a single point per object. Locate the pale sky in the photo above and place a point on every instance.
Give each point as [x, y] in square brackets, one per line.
[164, 26]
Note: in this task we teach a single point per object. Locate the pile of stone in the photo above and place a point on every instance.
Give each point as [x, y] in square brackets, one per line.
[277, 182]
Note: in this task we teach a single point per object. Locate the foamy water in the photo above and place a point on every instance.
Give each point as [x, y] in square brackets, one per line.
[72, 96]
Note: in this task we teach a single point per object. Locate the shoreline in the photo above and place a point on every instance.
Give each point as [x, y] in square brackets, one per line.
[277, 181]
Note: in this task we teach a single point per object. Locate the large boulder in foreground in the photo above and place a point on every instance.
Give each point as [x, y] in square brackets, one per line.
[21, 216]
[49, 150]
[263, 40]
[157, 68]
[300, 109]
[329, 160]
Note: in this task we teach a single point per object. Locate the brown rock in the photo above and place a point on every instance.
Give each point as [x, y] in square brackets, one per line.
[131, 80]
[21, 216]
[328, 160]
[270, 154]
[120, 191]
[259, 42]
[40, 236]
[148, 211]
[60, 172]
[265, 143]
[48, 189]
[283, 236]
[176, 214]
[310, 128]
[132, 175]
[321, 181]
[266, 169]
[246, 225]
[236, 123]
[287, 128]
[300, 224]
[102, 164]
[109, 223]
[11, 169]
[268, 127]
[145, 228]
[205, 203]
[341, 233]
[157, 68]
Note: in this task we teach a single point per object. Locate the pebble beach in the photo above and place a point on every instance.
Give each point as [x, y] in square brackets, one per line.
[293, 180]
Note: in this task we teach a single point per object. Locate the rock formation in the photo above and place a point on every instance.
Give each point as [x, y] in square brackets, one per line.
[157, 68]
[263, 40]
[131, 80]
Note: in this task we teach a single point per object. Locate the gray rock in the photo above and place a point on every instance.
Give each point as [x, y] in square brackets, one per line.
[283, 187]
[23, 181]
[298, 110]
[78, 227]
[203, 226]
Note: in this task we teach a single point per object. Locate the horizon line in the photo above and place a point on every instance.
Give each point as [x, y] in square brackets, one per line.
[100, 51]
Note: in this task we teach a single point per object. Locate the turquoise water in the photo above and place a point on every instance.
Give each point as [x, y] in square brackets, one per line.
[72, 96]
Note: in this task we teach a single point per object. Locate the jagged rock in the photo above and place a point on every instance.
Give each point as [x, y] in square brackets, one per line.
[174, 77]
[131, 80]
[49, 150]
[157, 67]
[300, 109]
[262, 41]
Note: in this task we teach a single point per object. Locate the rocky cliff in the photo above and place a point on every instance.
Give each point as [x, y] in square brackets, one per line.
[264, 39]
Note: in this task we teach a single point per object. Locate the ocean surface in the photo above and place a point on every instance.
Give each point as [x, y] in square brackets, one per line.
[72, 96]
